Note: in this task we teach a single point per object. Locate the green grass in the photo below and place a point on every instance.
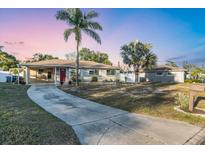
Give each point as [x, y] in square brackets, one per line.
[136, 98]
[24, 122]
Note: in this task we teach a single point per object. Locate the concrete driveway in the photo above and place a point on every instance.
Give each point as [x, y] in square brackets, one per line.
[98, 124]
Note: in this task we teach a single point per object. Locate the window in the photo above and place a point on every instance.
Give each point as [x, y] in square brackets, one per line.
[94, 72]
[111, 72]
[159, 73]
[170, 74]
[40, 71]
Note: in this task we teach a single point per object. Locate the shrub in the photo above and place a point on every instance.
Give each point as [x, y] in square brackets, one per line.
[73, 78]
[182, 100]
[94, 79]
[193, 81]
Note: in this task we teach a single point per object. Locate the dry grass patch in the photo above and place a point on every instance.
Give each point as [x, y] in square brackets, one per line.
[150, 99]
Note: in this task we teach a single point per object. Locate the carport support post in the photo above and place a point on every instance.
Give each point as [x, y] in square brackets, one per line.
[27, 74]
[55, 75]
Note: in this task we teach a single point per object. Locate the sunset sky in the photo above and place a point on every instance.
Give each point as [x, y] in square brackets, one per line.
[176, 34]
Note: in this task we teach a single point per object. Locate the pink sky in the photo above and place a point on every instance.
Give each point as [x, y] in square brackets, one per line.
[24, 32]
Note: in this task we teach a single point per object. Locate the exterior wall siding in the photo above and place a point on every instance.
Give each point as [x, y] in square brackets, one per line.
[174, 77]
[153, 77]
[102, 76]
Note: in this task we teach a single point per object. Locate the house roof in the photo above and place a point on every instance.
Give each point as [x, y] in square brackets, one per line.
[69, 63]
[166, 68]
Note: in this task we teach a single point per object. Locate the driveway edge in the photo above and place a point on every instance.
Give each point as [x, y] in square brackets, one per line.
[197, 139]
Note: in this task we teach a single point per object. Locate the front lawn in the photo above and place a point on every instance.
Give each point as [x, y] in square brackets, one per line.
[150, 99]
[24, 122]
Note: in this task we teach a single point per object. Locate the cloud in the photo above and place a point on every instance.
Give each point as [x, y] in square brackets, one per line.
[176, 58]
[14, 43]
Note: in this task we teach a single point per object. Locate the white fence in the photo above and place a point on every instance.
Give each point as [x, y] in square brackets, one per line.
[3, 75]
[130, 77]
[127, 77]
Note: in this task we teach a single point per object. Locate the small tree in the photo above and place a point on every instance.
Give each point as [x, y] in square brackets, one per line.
[90, 55]
[70, 56]
[196, 72]
[171, 63]
[139, 56]
[39, 57]
[7, 61]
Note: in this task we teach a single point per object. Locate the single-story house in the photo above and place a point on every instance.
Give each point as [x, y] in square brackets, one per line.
[162, 73]
[165, 74]
[62, 71]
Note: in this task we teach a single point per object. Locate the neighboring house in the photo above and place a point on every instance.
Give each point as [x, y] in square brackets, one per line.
[164, 74]
[3, 75]
[62, 71]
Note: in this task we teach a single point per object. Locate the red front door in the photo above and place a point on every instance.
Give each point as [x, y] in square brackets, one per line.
[62, 75]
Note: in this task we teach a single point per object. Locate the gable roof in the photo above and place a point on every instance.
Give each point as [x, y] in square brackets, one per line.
[69, 63]
[161, 68]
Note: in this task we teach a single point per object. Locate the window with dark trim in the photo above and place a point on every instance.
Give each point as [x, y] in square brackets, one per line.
[94, 72]
[169, 73]
[159, 73]
[111, 72]
[40, 71]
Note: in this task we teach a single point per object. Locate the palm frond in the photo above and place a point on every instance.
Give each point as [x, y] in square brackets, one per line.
[92, 34]
[94, 25]
[67, 33]
[91, 14]
[66, 15]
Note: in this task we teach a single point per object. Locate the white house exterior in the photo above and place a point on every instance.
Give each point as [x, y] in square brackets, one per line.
[164, 74]
[62, 71]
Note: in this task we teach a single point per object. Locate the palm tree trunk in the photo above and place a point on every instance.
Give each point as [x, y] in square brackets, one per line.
[77, 64]
[137, 75]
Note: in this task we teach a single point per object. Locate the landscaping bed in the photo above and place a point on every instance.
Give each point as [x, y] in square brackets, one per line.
[153, 99]
[24, 122]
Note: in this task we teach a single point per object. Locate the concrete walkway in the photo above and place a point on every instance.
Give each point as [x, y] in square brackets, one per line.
[98, 124]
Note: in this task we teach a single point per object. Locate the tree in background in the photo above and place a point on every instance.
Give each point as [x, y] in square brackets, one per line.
[139, 56]
[99, 57]
[70, 56]
[79, 22]
[39, 57]
[87, 55]
[7, 61]
[197, 71]
[90, 55]
[187, 66]
[171, 63]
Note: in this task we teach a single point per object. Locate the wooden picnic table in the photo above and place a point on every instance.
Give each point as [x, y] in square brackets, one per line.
[195, 92]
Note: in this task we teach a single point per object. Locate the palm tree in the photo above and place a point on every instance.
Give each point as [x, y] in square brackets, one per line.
[139, 56]
[79, 22]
